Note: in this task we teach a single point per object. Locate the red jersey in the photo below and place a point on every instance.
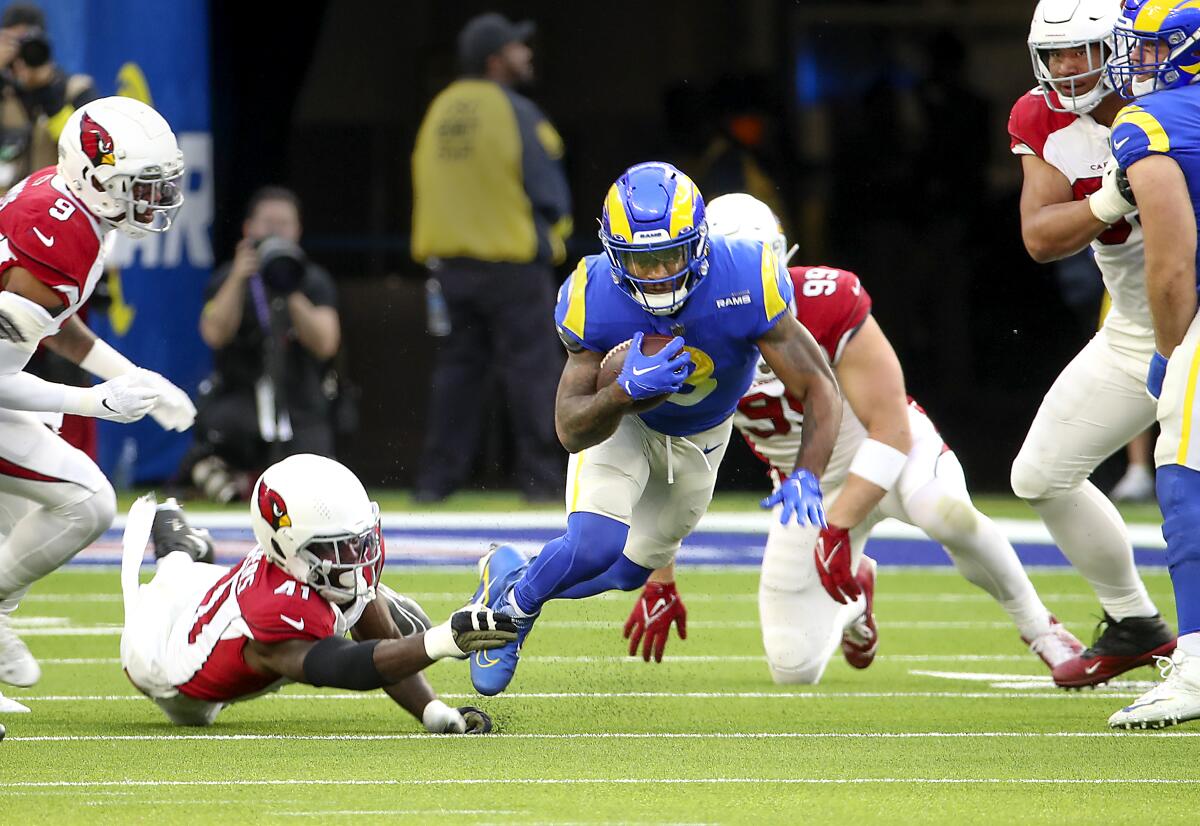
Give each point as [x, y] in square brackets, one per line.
[1078, 146]
[256, 600]
[45, 229]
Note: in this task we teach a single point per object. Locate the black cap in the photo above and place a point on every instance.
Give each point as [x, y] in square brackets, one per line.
[487, 34]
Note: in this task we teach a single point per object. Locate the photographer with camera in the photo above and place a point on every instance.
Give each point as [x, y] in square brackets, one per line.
[37, 96]
[271, 319]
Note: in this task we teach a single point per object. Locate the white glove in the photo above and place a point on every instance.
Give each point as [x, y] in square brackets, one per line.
[174, 410]
[1114, 199]
[123, 399]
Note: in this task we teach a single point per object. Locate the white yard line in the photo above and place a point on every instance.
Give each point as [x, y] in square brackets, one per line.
[622, 781]
[766, 735]
[681, 658]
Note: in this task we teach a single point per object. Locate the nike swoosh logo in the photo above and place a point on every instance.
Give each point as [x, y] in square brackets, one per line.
[297, 624]
[50, 241]
[708, 450]
[104, 403]
[1120, 143]
[638, 372]
[1092, 669]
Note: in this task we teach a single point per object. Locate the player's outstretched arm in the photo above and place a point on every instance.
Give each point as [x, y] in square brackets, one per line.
[872, 380]
[362, 666]
[413, 693]
[1053, 224]
[797, 360]
[584, 417]
[1169, 227]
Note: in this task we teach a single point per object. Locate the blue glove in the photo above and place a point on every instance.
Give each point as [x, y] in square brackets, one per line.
[1156, 374]
[644, 377]
[800, 494]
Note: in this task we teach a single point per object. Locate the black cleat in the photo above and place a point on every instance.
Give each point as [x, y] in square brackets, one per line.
[171, 533]
[478, 720]
[1118, 647]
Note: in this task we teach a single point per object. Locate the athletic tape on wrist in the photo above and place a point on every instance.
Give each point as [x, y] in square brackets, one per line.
[878, 463]
[439, 643]
[439, 717]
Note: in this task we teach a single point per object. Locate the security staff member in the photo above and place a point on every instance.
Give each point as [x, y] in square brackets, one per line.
[491, 212]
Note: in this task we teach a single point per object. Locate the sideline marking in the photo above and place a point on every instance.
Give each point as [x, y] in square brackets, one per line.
[571, 781]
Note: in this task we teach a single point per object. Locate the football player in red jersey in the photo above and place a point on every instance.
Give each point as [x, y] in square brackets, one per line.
[817, 587]
[119, 168]
[1070, 199]
[199, 636]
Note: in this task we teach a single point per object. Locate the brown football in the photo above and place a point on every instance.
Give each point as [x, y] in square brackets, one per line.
[614, 360]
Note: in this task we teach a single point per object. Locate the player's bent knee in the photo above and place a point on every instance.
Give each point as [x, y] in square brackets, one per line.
[1028, 481]
[791, 657]
[596, 542]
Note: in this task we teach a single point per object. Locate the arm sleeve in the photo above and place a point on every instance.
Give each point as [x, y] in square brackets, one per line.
[341, 663]
[23, 391]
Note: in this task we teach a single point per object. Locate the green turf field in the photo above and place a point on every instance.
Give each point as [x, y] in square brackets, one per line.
[589, 736]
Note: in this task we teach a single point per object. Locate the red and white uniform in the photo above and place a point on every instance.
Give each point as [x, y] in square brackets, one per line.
[49, 232]
[1099, 401]
[185, 636]
[930, 494]
[832, 304]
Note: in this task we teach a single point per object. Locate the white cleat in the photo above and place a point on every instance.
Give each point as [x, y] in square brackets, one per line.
[1175, 700]
[17, 665]
[1056, 646]
[11, 706]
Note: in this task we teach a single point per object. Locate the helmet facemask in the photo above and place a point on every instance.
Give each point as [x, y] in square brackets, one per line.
[341, 568]
[1068, 90]
[145, 202]
[659, 276]
[1144, 62]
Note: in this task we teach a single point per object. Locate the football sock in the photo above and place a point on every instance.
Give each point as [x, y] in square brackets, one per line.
[1178, 489]
[1089, 530]
[590, 546]
[622, 575]
[981, 553]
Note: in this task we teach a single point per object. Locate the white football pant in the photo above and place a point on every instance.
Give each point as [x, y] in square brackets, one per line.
[802, 625]
[1094, 408]
[54, 502]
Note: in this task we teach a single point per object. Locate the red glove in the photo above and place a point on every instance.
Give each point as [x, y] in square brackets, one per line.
[832, 556]
[658, 606]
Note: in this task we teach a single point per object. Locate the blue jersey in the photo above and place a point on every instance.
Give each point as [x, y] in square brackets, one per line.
[743, 295]
[1163, 123]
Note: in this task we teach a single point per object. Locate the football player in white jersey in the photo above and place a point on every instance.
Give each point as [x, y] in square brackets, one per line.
[119, 168]
[817, 587]
[1070, 199]
[198, 636]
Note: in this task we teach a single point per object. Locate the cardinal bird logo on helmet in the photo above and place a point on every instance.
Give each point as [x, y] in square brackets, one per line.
[97, 143]
[273, 508]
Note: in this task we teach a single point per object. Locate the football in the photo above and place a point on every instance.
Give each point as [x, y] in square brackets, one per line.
[614, 360]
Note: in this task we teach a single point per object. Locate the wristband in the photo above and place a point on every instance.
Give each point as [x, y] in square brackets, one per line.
[439, 643]
[439, 718]
[878, 463]
[106, 363]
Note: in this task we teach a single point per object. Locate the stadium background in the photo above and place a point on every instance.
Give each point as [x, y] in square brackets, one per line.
[886, 137]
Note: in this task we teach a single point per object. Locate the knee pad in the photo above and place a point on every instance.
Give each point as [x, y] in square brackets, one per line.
[1028, 480]
[792, 657]
[91, 514]
[1178, 489]
[406, 612]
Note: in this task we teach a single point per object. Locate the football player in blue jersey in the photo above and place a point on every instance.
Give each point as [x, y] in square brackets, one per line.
[638, 482]
[1156, 143]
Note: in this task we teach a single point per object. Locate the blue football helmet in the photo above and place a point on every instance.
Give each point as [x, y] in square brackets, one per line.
[1157, 46]
[655, 234]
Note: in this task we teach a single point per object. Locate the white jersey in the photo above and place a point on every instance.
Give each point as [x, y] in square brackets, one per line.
[1078, 146]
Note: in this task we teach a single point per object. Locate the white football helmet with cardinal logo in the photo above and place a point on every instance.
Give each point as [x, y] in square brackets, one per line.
[313, 518]
[120, 158]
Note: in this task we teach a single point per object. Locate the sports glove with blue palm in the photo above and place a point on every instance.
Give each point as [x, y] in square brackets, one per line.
[644, 377]
[800, 495]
